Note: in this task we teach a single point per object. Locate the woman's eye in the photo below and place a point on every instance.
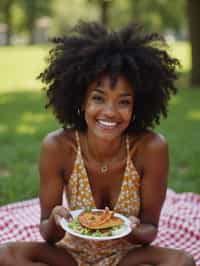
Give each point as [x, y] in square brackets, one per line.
[97, 98]
[125, 102]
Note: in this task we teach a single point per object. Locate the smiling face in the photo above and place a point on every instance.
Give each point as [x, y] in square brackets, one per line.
[108, 110]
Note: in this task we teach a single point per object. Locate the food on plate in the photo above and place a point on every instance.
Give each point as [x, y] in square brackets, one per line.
[97, 223]
[99, 219]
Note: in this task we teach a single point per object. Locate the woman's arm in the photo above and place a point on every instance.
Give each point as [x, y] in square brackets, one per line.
[51, 190]
[154, 154]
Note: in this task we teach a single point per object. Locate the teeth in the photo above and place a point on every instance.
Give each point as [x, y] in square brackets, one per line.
[107, 124]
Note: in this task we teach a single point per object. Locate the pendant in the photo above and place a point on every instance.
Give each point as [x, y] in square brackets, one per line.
[104, 168]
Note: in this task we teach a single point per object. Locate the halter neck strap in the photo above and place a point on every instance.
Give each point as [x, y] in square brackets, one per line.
[78, 141]
[126, 141]
[127, 146]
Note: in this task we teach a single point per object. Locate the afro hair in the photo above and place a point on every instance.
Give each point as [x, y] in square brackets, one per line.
[90, 50]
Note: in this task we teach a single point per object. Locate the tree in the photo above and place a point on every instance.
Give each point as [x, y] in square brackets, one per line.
[159, 15]
[172, 15]
[33, 10]
[103, 6]
[193, 9]
[6, 8]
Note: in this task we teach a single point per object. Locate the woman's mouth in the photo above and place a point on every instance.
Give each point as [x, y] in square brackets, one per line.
[107, 124]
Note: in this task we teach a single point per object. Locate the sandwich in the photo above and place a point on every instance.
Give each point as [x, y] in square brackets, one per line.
[99, 219]
[98, 223]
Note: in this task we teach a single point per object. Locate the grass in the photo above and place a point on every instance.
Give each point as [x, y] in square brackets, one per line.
[20, 66]
[182, 129]
[182, 51]
[24, 123]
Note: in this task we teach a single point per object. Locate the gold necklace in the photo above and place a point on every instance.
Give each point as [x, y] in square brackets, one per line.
[104, 166]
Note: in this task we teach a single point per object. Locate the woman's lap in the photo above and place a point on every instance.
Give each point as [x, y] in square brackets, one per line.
[35, 253]
[42, 254]
[152, 255]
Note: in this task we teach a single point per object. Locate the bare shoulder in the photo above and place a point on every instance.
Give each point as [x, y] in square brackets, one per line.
[147, 149]
[148, 141]
[59, 148]
[154, 141]
[154, 154]
[59, 140]
[154, 163]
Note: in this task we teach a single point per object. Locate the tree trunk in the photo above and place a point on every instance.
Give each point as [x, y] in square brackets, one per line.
[193, 8]
[104, 6]
[136, 10]
[31, 28]
[8, 20]
[32, 34]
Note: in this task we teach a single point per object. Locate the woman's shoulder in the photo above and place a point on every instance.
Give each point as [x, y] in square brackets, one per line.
[60, 140]
[147, 139]
[147, 149]
[148, 143]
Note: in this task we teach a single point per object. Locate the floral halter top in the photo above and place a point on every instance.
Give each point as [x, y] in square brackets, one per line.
[79, 195]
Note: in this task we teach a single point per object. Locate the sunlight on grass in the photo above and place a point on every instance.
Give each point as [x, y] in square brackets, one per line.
[194, 115]
[29, 122]
[19, 67]
[4, 173]
[182, 51]
[4, 99]
[175, 100]
[3, 129]
[34, 118]
[25, 129]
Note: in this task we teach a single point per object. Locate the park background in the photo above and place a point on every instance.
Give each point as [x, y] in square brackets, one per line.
[25, 29]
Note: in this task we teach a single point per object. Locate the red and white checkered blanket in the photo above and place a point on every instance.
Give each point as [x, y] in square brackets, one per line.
[179, 223]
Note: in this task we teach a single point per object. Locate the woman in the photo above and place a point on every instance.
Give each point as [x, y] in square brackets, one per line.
[108, 90]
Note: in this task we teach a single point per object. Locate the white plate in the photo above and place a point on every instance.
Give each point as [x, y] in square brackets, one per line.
[125, 230]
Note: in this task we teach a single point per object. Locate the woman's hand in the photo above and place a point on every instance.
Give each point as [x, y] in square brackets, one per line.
[141, 233]
[50, 228]
[134, 221]
[60, 212]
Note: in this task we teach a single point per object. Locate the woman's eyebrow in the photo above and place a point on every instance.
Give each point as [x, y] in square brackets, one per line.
[98, 89]
[125, 94]
[122, 94]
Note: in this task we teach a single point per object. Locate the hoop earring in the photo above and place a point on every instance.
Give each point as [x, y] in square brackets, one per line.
[133, 118]
[78, 111]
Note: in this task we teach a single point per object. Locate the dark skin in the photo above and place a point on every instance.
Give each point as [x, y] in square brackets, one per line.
[149, 146]
[146, 150]
[149, 153]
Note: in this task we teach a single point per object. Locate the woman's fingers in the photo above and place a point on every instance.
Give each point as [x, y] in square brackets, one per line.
[65, 213]
[60, 212]
[134, 221]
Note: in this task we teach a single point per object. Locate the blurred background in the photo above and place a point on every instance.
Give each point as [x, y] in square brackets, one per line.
[25, 29]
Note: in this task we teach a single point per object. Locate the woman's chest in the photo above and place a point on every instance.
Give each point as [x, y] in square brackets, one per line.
[105, 187]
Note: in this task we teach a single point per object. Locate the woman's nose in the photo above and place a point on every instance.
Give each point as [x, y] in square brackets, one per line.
[110, 110]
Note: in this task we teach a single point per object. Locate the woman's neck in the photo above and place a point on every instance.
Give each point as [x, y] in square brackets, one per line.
[103, 150]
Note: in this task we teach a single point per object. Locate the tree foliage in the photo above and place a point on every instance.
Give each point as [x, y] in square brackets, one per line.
[34, 9]
[157, 15]
[193, 9]
[6, 16]
[103, 6]
[154, 14]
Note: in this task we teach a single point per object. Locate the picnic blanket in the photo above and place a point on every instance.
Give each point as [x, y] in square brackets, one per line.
[179, 225]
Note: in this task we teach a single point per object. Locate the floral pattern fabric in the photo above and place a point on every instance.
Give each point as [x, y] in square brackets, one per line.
[79, 195]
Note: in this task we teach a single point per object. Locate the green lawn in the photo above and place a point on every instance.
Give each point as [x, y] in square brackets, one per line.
[182, 51]
[20, 66]
[24, 123]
